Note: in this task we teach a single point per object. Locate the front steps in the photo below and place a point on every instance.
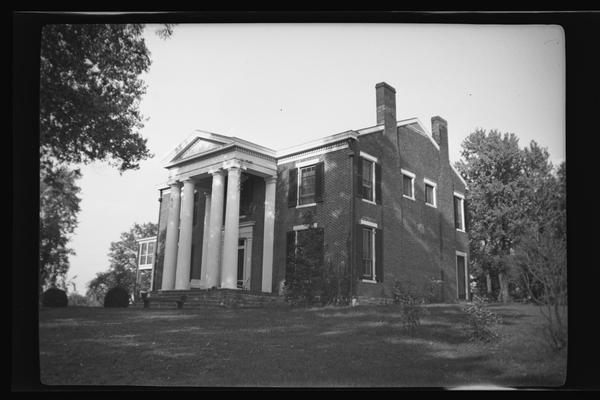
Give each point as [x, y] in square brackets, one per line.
[200, 298]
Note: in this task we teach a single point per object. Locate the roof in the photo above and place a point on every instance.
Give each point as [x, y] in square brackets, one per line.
[200, 143]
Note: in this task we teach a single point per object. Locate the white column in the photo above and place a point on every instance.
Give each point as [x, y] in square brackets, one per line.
[268, 236]
[232, 230]
[170, 261]
[184, 254]
[205, 238]
[212, 270]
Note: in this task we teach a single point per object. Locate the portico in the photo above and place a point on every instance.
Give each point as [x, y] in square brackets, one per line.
[216, 171]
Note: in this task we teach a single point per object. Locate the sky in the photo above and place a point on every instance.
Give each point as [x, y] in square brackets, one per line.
[279, 85]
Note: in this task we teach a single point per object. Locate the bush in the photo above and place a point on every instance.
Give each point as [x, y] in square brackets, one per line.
[410, 300]
[482, 321]
[55, 297]
[116, 297]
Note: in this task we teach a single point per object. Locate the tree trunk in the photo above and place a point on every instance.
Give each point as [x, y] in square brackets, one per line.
[488, 281]
[503, 296]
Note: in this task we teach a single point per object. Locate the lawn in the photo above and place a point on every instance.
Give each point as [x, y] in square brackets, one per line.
[364, 346]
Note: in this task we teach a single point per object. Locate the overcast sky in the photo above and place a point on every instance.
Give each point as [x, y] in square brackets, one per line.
[279, 85]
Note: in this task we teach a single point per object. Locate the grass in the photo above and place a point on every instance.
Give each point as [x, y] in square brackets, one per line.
[364, 346]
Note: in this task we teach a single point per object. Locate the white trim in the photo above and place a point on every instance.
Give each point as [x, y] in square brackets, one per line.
[304, 227]
[368, 280]
[371, 129]
[405, 172]
[368, 223]
[459, 176]
[412, 181]
[327, 140]
[307, 163]
[434, 185]
[368, 157]
[313, 153]
[368, 201]
[462, 206]
[306, 205]
[463, 254]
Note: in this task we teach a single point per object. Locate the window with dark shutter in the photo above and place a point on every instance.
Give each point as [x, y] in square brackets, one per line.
[367, 180]
[359, 177]
[378, 197]
[319, 182]
[379, 255]
[292, 187]
[367, 253]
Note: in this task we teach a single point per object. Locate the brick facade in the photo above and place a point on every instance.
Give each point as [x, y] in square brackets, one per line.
[414, 241]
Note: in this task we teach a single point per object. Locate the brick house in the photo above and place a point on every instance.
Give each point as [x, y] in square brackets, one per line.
[384, 201]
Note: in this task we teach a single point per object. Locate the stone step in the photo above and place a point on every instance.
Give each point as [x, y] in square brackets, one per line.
[200, 298]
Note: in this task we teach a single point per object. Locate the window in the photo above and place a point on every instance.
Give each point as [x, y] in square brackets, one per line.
[146, 254]
[430, 193]
[368, 259]
[368, 178]
[307, 185]
[306, 182]
[459, 212]
[408, 184]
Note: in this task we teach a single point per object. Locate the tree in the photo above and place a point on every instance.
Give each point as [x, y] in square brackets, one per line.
[123, 262]
[541, 255]
[502, 180]
[90, 90]
[59, 205]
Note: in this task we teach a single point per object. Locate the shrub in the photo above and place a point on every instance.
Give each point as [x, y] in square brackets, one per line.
[116, 297]
[410, 300]
[55, 297]
[482, 321]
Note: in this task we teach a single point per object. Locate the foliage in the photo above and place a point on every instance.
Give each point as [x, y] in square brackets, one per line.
[411, 300]
[482, 321]
[59, 205]
[335, 285]
[542, 256]
[123, 262]
[90, 90]
[304, 276]
[55, 297]
[504, 194]
[117, 297]
[76, 299]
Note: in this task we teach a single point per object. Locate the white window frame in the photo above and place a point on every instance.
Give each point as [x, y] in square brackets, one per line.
[434, 185]
[146, 266]
[373, 161]
[372, 226]
[412, 177]
[299, 166]
[467, 288]
[462, 206]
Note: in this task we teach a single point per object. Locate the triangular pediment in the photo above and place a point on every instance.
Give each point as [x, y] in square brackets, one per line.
[198, 146]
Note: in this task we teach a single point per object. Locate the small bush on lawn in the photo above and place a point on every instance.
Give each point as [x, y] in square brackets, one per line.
[410, 301]
[55, 297]
[116, 297]
[482, 321]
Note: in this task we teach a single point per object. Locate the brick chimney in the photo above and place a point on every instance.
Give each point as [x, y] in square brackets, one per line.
[386, 106]
[439, 131]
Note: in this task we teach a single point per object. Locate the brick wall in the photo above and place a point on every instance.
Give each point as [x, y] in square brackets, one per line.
[333, 214]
